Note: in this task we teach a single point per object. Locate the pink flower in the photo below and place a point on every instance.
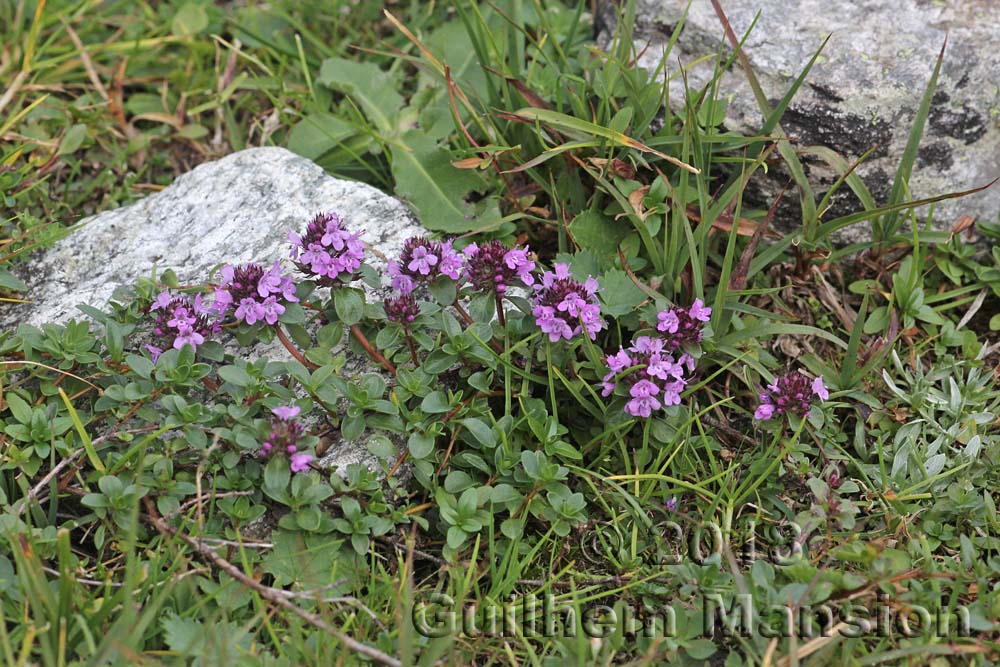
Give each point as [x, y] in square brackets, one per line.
[790, 393]
[668, 321]
[286, 412]
[620, 361]
[683, 326]
[249, 310]
[820, 389]
[422, 260]
[654, 377]
[180, 321]
[300, 462]
[493, 267]
[327, 251]
[564, 307]
[271, 310]
[190, 337]
[764, 410]
[644, 400]
[699, 311]
[162, 300]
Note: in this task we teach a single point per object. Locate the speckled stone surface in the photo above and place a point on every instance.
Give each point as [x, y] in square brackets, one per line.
[237, 209]
[863, 91]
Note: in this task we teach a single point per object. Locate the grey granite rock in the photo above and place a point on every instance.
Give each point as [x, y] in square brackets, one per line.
[863, 91]
[234, 210]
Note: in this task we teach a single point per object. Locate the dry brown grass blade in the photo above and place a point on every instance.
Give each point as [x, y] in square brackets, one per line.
[738, 280]
[530, 96]
[88, 64]
[814, 645]
[833, 301]
[744, 226]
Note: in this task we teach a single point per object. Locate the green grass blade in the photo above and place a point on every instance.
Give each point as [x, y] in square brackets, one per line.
[88, 444]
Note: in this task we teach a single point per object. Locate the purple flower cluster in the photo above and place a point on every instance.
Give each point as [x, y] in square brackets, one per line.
[257, 295]
[181, 321]
[656, 368]
[653, 376]
[790, 393]
[402, 309]
[683, 326]
[327, 251]
[423, 260]
[564, 307]
[284, 437]
[493, 267]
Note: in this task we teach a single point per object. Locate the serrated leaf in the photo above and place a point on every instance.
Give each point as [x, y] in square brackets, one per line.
[619, 295]
[310, 561]
[426, 178]
[184, 635]
[598, 233]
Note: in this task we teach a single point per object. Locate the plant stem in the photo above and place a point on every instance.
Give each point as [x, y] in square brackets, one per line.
[500, 316]
[462, 312]
[372, 352]
[413, 348]
[292, 350]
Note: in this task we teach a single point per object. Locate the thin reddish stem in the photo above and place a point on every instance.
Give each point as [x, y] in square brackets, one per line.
[372, 352]
[413, 348]
[294, 351]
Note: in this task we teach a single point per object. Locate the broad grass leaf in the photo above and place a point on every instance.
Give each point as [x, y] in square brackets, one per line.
[373, 89]
[317, 134]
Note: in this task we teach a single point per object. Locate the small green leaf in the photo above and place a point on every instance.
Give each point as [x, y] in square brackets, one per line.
[457, 481]
[276, 475]
[420, 445]
[381, 447]
[309, 518]
[512, 529]
[435, 402]
[352, 427]
[72, 139]
[294, 314]
[349, 304]
[480, 431]
[19, 408]
[235, 376]
[189, 20]
[141, 366]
